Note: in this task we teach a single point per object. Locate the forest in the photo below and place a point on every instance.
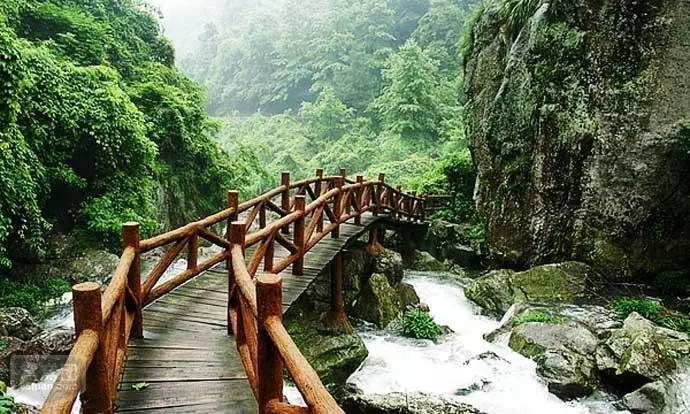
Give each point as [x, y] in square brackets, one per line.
[554, 279]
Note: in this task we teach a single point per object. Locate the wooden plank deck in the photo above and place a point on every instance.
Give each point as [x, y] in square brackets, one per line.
[186, 357]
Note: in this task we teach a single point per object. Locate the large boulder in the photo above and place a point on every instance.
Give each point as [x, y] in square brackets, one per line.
[452, 241]
[493, 291]
[334, 354]
[565, 282]
[641, 351]
[379, 302]
[389, 263]
[66, 258]
[597, 319]
[425, 262]
[564, 353]
[578, 118]
[18, 323]
[399, 403]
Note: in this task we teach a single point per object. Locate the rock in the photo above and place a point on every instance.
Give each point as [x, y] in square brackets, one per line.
[564, 354]
[453, 242]
[408, 296]
[641, 351]
[389, 264]
[355, 263]
[8, 346]
[398, 403]
[425, 262]
[648, 399]
[378, 303]
[18, 323]
[67, 259]
[334, 355]
[31, 360]
[461, 255]
[493, 291]
[596, 318]
[565, 282]
[577, 120]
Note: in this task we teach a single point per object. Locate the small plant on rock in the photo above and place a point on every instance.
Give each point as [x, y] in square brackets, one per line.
[417, 323]
[652, 311]
[626, 305]
[537, 316]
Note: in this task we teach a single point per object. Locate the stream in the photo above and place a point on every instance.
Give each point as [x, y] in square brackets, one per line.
[462, 365]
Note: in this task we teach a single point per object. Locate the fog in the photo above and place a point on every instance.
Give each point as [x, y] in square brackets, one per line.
[184, 20]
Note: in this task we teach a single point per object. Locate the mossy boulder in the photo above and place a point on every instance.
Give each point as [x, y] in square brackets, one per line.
[564, 354]
[399, 403]
[379, 302]
[641, 351]
[390, 264]
[565, 282]
[577, 115]
[334, 354]
[425, 262]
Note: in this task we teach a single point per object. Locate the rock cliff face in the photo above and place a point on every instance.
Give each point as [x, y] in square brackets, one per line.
[579, 122]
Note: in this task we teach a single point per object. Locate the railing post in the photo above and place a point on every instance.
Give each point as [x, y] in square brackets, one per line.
[192, 250]
[337, 200]
[358, 198]
[285, 197]
[130, 238]
[298, 239]
[269, 299]
[317, 192]
[413, 205]
[346, 197]
[380, 192]
[424, 207]
[95, 398]
[233, 202]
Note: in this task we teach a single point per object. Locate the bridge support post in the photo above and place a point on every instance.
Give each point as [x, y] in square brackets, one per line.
[233, 202]
[269, 300]
[298, 239]
[337, 318]
[337, 212]
[95, 398]
[285, 197]
[374, 247]
[130, 237]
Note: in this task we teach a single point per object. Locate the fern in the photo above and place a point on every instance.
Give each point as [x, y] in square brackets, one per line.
[516, 13]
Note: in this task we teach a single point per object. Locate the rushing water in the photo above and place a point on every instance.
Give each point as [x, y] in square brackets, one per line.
[463, 366]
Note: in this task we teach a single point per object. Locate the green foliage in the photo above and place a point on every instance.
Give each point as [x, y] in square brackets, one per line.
[516, 13]
[31, 295]
[414, 100]
[653, 311]
[7, 404]
[97, 127]
[537, 316]
[417, 323]
[626, 305]
[3, 346]
[140, 386]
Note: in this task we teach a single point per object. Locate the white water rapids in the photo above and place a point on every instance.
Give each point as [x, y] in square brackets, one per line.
[463, 366]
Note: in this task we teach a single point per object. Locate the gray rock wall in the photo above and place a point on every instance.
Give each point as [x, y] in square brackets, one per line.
[579, 123]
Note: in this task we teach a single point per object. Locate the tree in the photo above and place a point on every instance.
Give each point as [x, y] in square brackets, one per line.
[412, 97]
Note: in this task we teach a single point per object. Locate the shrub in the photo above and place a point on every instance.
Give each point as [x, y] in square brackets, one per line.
[537, 316]
[626, 305]
[7, 404]
[417, 323]
[652, 311]
[31, 295]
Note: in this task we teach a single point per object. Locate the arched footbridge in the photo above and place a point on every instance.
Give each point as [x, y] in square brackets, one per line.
[211, 338]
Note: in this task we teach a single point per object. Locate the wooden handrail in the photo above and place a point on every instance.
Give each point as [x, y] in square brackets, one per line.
[105, 321]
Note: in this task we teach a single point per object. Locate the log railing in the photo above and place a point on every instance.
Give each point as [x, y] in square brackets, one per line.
[106, 320]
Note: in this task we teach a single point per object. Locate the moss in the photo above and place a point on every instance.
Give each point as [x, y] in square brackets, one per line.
[521, 345]
[538, 316]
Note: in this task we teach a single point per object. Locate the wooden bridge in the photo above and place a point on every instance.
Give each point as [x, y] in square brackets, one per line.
[167, 346]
